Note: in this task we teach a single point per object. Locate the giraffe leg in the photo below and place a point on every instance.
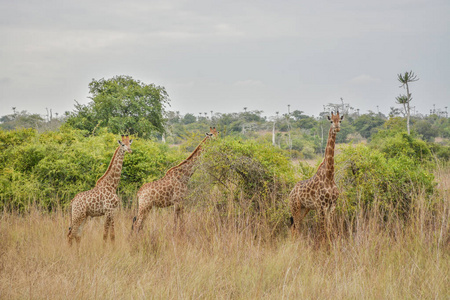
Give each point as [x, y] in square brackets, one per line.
[75, 229]
[329, 221]
[70, 236]
[111, 232]
[107, 225]
[178, 215]
[298, 219]
[78, 230]
[138, 224]
[322, 223]
[144, 217]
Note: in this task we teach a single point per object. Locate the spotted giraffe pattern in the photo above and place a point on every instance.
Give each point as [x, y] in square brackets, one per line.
[169, 190]
[320, 191]
[102, 199]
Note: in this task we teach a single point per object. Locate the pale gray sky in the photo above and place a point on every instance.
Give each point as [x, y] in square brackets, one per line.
[226, 55]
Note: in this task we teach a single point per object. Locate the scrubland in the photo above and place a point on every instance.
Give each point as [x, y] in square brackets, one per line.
[228, 256]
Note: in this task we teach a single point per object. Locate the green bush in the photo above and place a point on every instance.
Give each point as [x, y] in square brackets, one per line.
[52, 167]
[402, 144]
[256, 177]
[441, 152]
[369, 177]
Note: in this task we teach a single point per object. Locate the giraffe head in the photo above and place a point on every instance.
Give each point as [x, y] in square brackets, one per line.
[212, 132]
[336, 121]
[126, 143]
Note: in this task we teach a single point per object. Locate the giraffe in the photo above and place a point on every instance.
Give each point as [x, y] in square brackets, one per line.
[102, 199]
[320, 191]
[169, 190]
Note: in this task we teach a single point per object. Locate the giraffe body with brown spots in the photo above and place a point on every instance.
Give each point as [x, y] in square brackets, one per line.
[319, 192]
[169, 190]
[102, 199]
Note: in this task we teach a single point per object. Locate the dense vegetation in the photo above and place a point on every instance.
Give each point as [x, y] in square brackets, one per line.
[49, 168]
[256, 161]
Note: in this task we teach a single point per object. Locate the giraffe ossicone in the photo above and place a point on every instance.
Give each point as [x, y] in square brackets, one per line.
[319, 192]
[102, 199]
[170, 189]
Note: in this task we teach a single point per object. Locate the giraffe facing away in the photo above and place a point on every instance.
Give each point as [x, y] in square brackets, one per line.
[102, 199]
[320, 191]
[169, 190]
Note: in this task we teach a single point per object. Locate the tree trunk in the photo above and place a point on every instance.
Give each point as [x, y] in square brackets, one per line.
[408, 95]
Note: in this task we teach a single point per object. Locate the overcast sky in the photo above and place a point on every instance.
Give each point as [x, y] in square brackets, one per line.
[226, 55]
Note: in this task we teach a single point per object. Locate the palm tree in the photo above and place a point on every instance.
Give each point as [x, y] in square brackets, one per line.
[406, 99]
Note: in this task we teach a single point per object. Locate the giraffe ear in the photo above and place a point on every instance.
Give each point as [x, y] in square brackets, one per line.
[342, 118]
[131, 141]
[329, 118]
[120, 143]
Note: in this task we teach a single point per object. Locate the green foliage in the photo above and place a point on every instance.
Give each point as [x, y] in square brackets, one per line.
[15, 137]
[306, 123]
[401, 144]
[368, 124]
[439, 127]
[123, 105]
[54, 166]
[346, 130]
[394, 125]
[256, 176]
[426, 130]
[442, 152]
[369, 177]
[188, 119]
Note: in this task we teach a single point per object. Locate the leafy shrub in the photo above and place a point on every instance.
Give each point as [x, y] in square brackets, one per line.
[370, 177]
[441, 152]
[402, 144]
[255, 176]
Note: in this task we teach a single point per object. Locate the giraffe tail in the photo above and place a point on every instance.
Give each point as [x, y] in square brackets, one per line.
[134, 220]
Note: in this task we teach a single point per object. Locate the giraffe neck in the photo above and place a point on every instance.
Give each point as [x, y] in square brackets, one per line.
[185, 169]
[328, 161]
[112, 175]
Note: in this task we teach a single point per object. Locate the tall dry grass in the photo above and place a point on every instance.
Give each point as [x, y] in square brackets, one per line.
[223, 256]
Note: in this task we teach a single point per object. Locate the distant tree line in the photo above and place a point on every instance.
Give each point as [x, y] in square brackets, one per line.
[124, 105]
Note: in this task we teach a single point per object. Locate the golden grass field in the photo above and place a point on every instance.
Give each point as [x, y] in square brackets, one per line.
[217, 257]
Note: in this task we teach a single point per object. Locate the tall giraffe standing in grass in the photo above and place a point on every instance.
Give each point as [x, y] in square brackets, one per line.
[320, 191]
[102, 199]
[169, 190]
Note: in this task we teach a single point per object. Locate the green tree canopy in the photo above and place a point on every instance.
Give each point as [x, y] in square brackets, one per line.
[367, 124]
[189, 118]
[123, 105]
